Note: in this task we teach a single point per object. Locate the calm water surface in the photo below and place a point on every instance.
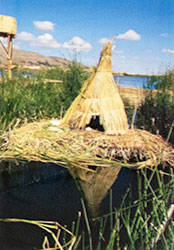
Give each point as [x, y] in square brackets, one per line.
[56, 199]
[130, 81]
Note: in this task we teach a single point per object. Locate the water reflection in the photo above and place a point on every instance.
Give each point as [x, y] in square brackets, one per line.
[95, 185]
[54, 199]
[57, 199]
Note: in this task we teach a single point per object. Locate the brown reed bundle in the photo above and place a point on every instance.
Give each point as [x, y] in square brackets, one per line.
[99, 101]
[41, 141]
[7, 25]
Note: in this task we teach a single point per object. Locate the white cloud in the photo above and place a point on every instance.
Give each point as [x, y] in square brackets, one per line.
[44, 25]
[105, 40]
[129, 35]
[45, 41]
[165, 34]
[171, 51]
[25, 36]
[77, 44]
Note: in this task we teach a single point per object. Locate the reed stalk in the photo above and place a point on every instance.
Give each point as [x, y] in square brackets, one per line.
[87, 224]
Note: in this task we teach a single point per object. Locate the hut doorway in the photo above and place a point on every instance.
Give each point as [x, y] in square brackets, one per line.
[95, 123]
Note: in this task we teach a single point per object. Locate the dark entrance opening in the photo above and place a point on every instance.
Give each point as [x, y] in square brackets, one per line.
[95, 123]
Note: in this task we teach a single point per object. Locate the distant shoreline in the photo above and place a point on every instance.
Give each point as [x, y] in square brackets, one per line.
[38, 68]
[131, 74]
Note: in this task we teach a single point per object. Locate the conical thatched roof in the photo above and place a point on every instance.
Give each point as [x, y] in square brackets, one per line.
[99, 104]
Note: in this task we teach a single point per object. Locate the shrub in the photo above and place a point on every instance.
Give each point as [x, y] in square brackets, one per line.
[157, 112]
[73, 80]
[33, 98]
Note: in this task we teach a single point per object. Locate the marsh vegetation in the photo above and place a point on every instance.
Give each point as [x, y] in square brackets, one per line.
[32, 98]
[142, 220]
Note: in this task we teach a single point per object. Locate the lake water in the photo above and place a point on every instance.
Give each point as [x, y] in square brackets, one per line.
[124, 81]
[130, 81]
[55, 199]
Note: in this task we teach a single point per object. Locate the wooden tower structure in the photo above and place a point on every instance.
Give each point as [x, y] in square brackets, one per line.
[8, 30]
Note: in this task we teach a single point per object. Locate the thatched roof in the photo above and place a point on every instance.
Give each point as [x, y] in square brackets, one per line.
[99, 104]
[7, 26]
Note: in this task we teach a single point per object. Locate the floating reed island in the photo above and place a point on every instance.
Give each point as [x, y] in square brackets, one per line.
[94, 132]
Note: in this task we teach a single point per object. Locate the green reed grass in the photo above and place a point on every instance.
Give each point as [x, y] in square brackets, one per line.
[33, 98]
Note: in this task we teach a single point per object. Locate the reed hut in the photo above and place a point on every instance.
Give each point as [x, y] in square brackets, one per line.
[99, 104]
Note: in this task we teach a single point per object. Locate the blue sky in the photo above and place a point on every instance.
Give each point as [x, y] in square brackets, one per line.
[142, 31]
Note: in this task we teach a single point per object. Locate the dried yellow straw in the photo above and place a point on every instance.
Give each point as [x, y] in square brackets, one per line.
[39, 142]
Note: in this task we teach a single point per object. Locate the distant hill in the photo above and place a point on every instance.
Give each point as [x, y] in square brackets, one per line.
[33, 60]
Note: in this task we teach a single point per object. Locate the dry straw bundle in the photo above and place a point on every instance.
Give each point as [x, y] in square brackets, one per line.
[41, 141]
[7, 25]
[54, 231]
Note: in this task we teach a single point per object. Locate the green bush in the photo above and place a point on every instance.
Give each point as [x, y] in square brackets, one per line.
[73, 80]
[157, 112]
[34, 98]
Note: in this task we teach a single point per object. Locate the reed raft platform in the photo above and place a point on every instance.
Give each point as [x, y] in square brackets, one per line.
[45, 142]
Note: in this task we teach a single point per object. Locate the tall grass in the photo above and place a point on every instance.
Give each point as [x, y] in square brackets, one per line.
[157, 112]
[34, 98]
[23, 99]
